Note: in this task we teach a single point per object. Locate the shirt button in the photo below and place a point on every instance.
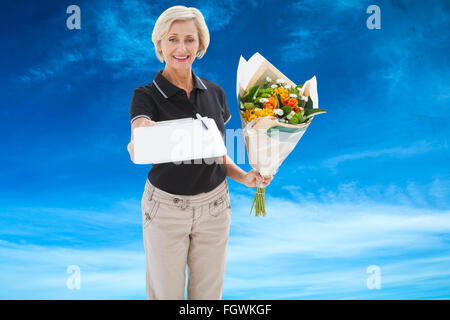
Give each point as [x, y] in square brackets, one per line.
[175, 200]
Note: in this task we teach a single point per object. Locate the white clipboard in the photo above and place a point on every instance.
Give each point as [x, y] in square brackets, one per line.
[178, 140]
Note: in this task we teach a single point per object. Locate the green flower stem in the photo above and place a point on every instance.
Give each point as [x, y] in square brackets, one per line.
[254, 200]
[264, 202]
[259, 202]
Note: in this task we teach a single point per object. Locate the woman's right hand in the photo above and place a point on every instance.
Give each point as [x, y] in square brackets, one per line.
[144, 122]
[139, 122]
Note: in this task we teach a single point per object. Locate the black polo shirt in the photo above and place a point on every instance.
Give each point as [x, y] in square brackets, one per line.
[161, 100]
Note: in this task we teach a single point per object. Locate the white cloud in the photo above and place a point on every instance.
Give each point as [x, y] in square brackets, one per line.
[322, 6]
[419, 147]
[40, 272]
[309, 37]
[394, 152]
[121, 35]
[301, 249]
[304, 249]
[434, 194]
[124, 34]
[306, 42]
[333, 230]
[48, 69]
[218, 14]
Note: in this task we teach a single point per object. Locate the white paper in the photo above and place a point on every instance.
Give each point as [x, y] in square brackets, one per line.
[178, 140]
[268, 140]
[257, 68]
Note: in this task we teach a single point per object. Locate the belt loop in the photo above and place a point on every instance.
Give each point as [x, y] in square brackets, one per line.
[152, 191]
[183, 205]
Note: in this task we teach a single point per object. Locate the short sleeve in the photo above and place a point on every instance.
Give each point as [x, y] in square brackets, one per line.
[142, 105]
[225, 111]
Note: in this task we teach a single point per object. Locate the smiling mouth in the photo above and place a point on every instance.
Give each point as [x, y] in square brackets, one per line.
[181, 58]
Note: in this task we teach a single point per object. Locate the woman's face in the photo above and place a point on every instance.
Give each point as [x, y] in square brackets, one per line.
[180, 45]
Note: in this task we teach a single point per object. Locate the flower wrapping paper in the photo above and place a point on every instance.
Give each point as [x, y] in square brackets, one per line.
[268, 140]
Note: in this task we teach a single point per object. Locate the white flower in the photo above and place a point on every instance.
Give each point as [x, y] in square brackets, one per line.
[290, 115]
[257, 109]
[288, 86]
[304, 98]
[281, 81]
[300, 90]
[292, 95]
[278, 112]
[268, 79]
[263, 100]
[274, 86]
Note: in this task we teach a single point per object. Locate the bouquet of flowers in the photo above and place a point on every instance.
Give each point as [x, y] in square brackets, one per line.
[275, 114]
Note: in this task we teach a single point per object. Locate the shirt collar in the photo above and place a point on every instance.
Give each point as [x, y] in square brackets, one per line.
[167, 89]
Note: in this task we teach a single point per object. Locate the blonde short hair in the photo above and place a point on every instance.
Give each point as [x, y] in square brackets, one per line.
[180, 13]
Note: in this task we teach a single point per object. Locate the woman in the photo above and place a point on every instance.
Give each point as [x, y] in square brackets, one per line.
[185, 207]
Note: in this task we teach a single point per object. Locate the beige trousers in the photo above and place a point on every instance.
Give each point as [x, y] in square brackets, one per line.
[182, 231]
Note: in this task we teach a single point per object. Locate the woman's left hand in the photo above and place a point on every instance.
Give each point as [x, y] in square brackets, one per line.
[253, 176]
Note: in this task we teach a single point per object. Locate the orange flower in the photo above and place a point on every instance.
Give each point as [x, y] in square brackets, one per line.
[291, 102]
[273, 101]
[269, 105]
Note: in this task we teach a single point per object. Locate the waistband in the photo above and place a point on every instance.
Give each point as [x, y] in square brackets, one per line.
[184, 201]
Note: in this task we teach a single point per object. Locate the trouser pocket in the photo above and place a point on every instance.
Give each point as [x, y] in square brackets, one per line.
[149, 212]
[149, 206]
[219, 205]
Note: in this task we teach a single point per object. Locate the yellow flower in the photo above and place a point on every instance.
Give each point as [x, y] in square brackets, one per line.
[249, 115]
[284, 93]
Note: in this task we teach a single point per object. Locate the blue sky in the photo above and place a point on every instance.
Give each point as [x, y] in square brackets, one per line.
[368, 184]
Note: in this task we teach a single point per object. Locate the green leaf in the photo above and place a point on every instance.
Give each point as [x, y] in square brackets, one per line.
[294, 119]
[279, 101]
[301, 118]
[309, 104]
[286, 110]
[310, 113]
[241, 104]
[255, 94]
[252, 91]
[248, 96]
[249, 105]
